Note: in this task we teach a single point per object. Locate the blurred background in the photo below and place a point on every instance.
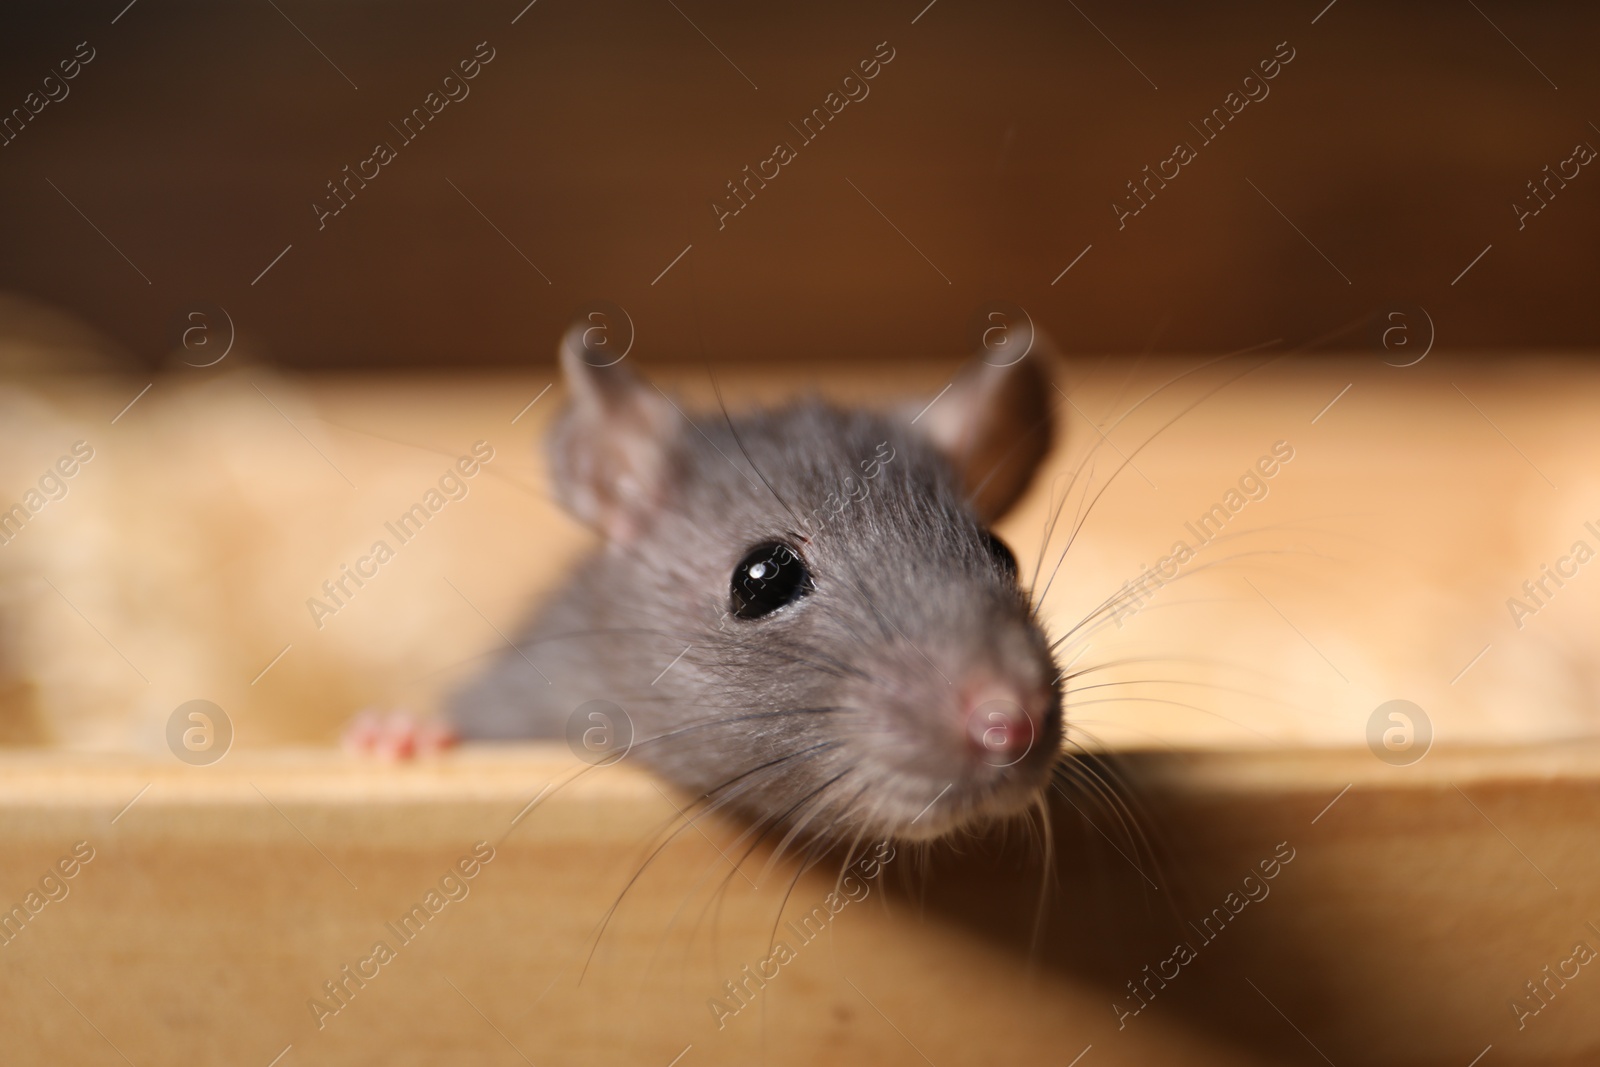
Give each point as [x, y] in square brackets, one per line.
[191, 161]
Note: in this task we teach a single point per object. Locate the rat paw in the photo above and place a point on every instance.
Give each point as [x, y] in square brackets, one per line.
[398, 735]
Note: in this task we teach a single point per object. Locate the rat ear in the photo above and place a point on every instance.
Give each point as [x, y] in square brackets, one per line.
[609, 449]
[995, 425]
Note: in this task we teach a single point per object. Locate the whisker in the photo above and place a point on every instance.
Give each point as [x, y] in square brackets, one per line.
[737, 440]
[1236, 690]
[1114, 796]
[1105, 613]
[1105, 434]
[1179, 704]
[719, 895]
[1047, 871]
[1128, 460]
[688, 821]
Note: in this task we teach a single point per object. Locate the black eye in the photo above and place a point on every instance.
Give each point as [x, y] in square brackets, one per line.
[1000, 553]
[770, 576]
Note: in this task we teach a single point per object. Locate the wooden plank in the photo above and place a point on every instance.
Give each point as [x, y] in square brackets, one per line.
[218, 900]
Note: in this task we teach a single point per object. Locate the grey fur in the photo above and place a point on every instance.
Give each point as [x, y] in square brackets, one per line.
[843, 687]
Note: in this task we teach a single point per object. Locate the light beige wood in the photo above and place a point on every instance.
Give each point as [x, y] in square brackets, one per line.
[219, 899]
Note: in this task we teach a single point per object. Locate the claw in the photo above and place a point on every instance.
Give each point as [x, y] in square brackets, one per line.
[397, 736]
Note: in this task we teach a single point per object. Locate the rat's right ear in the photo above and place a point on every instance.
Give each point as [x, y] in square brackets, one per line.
[994, 422]
[609, 450]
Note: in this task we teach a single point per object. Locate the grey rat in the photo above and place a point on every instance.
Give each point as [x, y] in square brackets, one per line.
[802, 612]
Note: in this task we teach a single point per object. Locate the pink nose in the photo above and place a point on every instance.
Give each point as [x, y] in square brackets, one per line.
[1001, 728]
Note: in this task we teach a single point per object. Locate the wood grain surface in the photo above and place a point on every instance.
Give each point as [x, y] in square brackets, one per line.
[1413, 907]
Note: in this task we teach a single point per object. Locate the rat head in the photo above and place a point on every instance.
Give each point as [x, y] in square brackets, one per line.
[856, 655]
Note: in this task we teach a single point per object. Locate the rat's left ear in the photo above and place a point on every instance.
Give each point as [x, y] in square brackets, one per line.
[995, 425]
[610, 448]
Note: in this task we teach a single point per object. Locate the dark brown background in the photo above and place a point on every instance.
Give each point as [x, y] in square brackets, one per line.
[996, 140]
